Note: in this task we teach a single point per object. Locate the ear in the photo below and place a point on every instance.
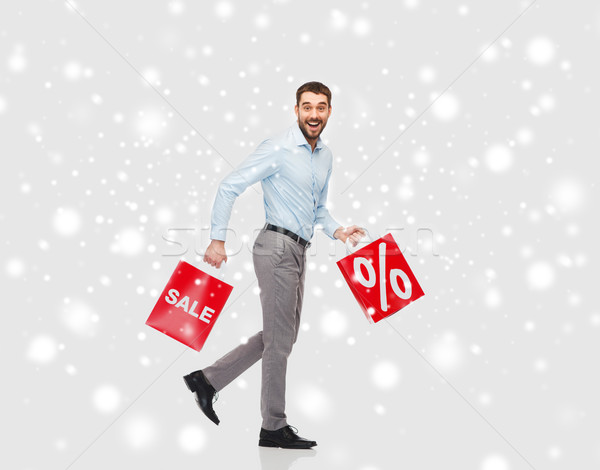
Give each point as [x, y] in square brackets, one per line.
[329, 113]
[296, 109]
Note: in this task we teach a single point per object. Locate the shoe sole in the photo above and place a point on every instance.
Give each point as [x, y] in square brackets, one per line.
[185, 379]
[266, 443]
[193, 390]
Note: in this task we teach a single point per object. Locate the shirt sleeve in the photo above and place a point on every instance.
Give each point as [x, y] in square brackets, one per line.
[324, 219]
[257, 166]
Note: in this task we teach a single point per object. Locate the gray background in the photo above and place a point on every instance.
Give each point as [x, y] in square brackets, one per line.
[117, 121]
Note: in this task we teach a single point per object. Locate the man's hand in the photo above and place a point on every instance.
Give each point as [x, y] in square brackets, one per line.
[215, 253]
[353, 232]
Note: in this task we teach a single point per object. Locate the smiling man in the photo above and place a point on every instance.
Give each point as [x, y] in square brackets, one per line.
[294, 170]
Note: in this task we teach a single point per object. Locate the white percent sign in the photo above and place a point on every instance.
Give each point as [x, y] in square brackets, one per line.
[371, 279]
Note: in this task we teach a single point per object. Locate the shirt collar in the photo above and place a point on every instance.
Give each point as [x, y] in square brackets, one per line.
[301, 140]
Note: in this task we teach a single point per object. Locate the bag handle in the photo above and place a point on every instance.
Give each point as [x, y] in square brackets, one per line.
[362, 242]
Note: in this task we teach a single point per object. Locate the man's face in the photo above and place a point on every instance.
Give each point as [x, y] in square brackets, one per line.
[312, 112]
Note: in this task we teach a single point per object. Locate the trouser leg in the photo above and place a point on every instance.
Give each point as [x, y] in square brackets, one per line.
[279, 277]
[280, 269]
[234, 363]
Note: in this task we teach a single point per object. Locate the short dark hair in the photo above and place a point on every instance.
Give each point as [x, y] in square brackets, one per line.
[314, 87]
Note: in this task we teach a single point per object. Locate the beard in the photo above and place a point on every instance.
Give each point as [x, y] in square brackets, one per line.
[309, 132]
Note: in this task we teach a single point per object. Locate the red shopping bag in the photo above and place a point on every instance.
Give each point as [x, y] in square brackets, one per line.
[189, 305]
[380, 278]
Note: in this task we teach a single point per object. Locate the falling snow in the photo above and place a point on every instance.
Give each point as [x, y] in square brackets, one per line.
[476, 152]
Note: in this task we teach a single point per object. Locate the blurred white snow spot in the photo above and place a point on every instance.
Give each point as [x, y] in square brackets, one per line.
[525, 136]
[495, 462]
[338, 21]
[17, 62]
[203, 80]
[140, 432]
[334, 324]
[164, 215]
[241, 383]
[568, 195]
[547, 102]
[540, 275]
[224, 10]
[485, 399]
[66, 221]
[262, 21]
[540, 50]
[61, 444]
[176, 7]
[149, 123]
[313, 402]
[427, 74]
[129, 242]
[106, 398]
[72, 71]
[490, 54]
[421, 158]
[192, 438]
[145, 361]
[15, 267]
[540, 365]
[42, 349]
[79, 318]
[96, 99]
[385, 375]
[446, 107]
[554, 452]
[405, 190]
[498, 158]
[492, 297]
[447, 352]
[361, 26]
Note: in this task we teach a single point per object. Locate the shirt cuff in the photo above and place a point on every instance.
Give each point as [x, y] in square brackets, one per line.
[217, 233]
[329, 227]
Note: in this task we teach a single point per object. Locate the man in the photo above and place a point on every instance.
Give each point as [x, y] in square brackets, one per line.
[294, 169]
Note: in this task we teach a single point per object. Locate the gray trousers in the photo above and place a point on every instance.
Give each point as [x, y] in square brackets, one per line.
[279, 263]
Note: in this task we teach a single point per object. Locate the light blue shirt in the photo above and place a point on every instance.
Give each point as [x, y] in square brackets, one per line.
[294, 180]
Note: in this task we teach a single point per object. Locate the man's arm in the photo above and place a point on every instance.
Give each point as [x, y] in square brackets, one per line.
[260, 164]
[324, 218]
[332, 228]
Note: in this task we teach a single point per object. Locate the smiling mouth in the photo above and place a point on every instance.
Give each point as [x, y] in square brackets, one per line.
[313, 125]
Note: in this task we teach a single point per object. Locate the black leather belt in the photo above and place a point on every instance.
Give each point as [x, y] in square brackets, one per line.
[289, 233]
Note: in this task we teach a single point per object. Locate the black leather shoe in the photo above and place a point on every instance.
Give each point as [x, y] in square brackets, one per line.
[285, 437]
[205, 393]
